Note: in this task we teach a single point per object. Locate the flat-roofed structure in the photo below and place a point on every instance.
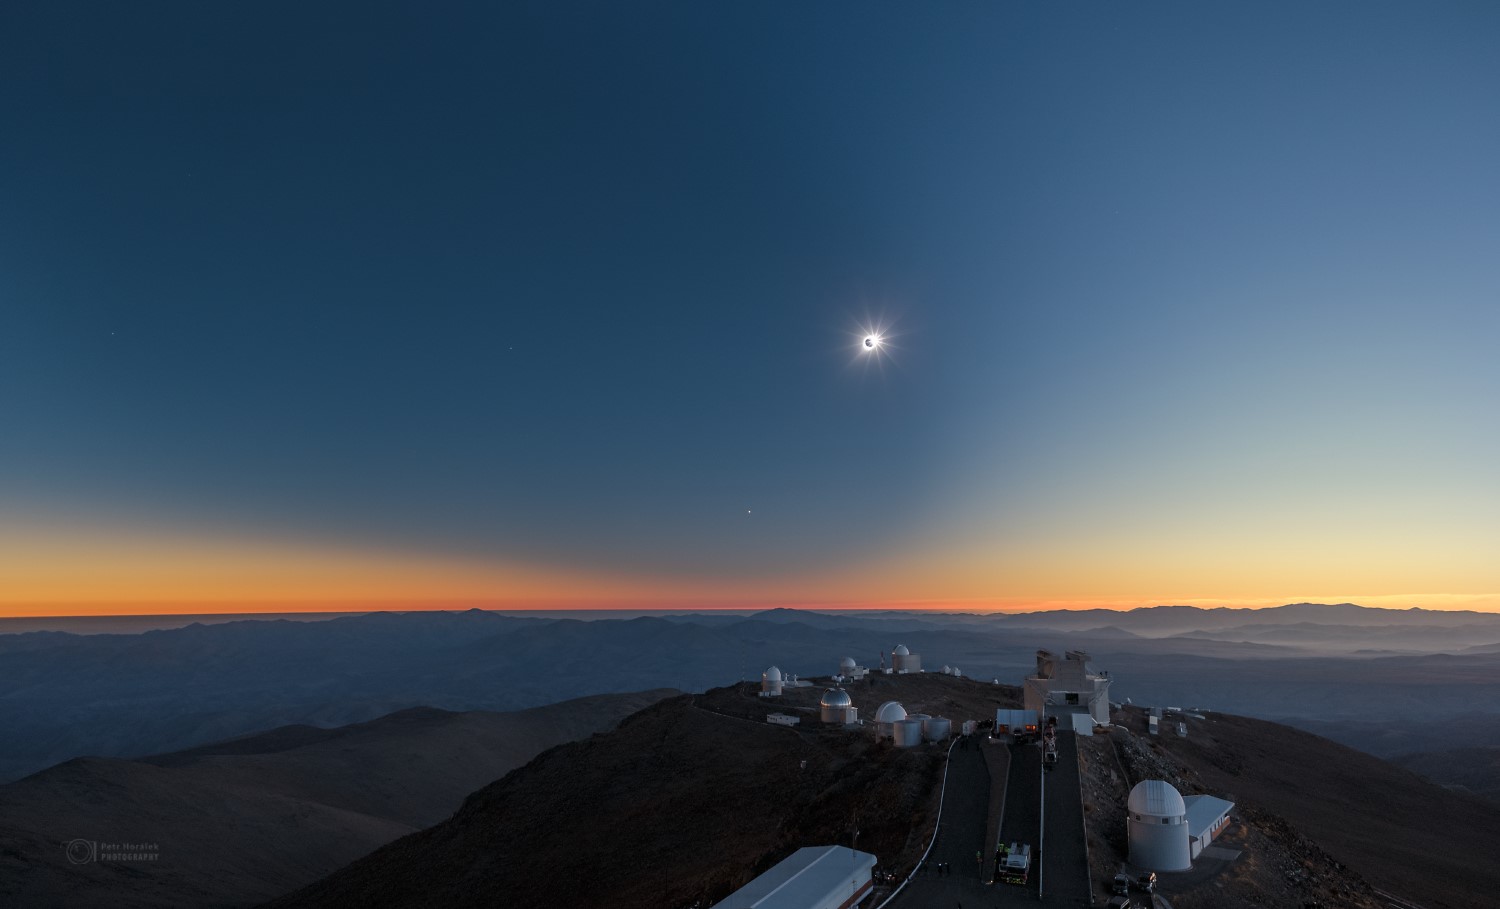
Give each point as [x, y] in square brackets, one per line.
[813, 877]
[1206, 816]
[1067, 685]
[1016, 722]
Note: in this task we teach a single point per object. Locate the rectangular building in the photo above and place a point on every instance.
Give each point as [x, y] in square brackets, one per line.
[1206, 816]
[813, 877]
[1067, 685]
[1016, 722]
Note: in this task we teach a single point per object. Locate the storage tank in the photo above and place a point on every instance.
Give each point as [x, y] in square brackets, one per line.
[936, 728]
[909, 733]
[886, 718]
[770, 681]
[1158, 827]
[834, 708]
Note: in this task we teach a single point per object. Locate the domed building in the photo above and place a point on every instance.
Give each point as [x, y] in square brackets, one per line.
[850, 670]
[837, 707]
[1168, 831]
[1158, 827]
[770, 683]
[903, 660]
[886, 718]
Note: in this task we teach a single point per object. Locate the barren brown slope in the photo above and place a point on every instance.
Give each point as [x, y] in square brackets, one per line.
[1400, 832]
[239, 822]
[686, 801]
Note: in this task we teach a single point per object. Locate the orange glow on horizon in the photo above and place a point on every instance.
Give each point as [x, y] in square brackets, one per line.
[67, 572]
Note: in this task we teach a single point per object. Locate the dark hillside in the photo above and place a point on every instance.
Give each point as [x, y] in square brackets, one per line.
[685, 801]
[1474, 769]
[241, 821]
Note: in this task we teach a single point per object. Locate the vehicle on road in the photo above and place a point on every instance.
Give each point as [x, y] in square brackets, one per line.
[1146, 882]
[1013, 863]
[1120, 886]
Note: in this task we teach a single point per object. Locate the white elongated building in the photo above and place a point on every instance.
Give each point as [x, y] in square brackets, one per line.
[813, 877]
[1168, 831]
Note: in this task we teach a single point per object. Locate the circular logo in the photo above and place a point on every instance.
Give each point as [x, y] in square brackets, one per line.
[80, 851]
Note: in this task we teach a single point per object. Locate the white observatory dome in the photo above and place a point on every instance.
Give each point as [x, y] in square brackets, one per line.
[847, 663]
[1156, 798]
[773, 674]
[836, 697]
[1157, 826]
[901, 650]
[890, 712]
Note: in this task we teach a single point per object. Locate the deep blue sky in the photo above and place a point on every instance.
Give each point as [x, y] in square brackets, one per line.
[574, 284]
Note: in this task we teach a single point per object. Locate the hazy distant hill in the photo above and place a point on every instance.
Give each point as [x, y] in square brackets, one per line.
[240, 821]
[1169, 620]
[1399, 734]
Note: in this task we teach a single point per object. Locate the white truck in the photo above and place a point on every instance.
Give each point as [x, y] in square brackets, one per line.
[1013, 863]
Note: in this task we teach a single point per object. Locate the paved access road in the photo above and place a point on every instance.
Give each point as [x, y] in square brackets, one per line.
[1062, 858]
[1065, 864]
[960, 839]
[1023, 815]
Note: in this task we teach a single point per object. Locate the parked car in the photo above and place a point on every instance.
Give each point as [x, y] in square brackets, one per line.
[1121, 885]
[1146, 882]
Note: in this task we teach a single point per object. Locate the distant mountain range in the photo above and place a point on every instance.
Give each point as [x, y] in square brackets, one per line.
[240, 821]
[123, 695]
